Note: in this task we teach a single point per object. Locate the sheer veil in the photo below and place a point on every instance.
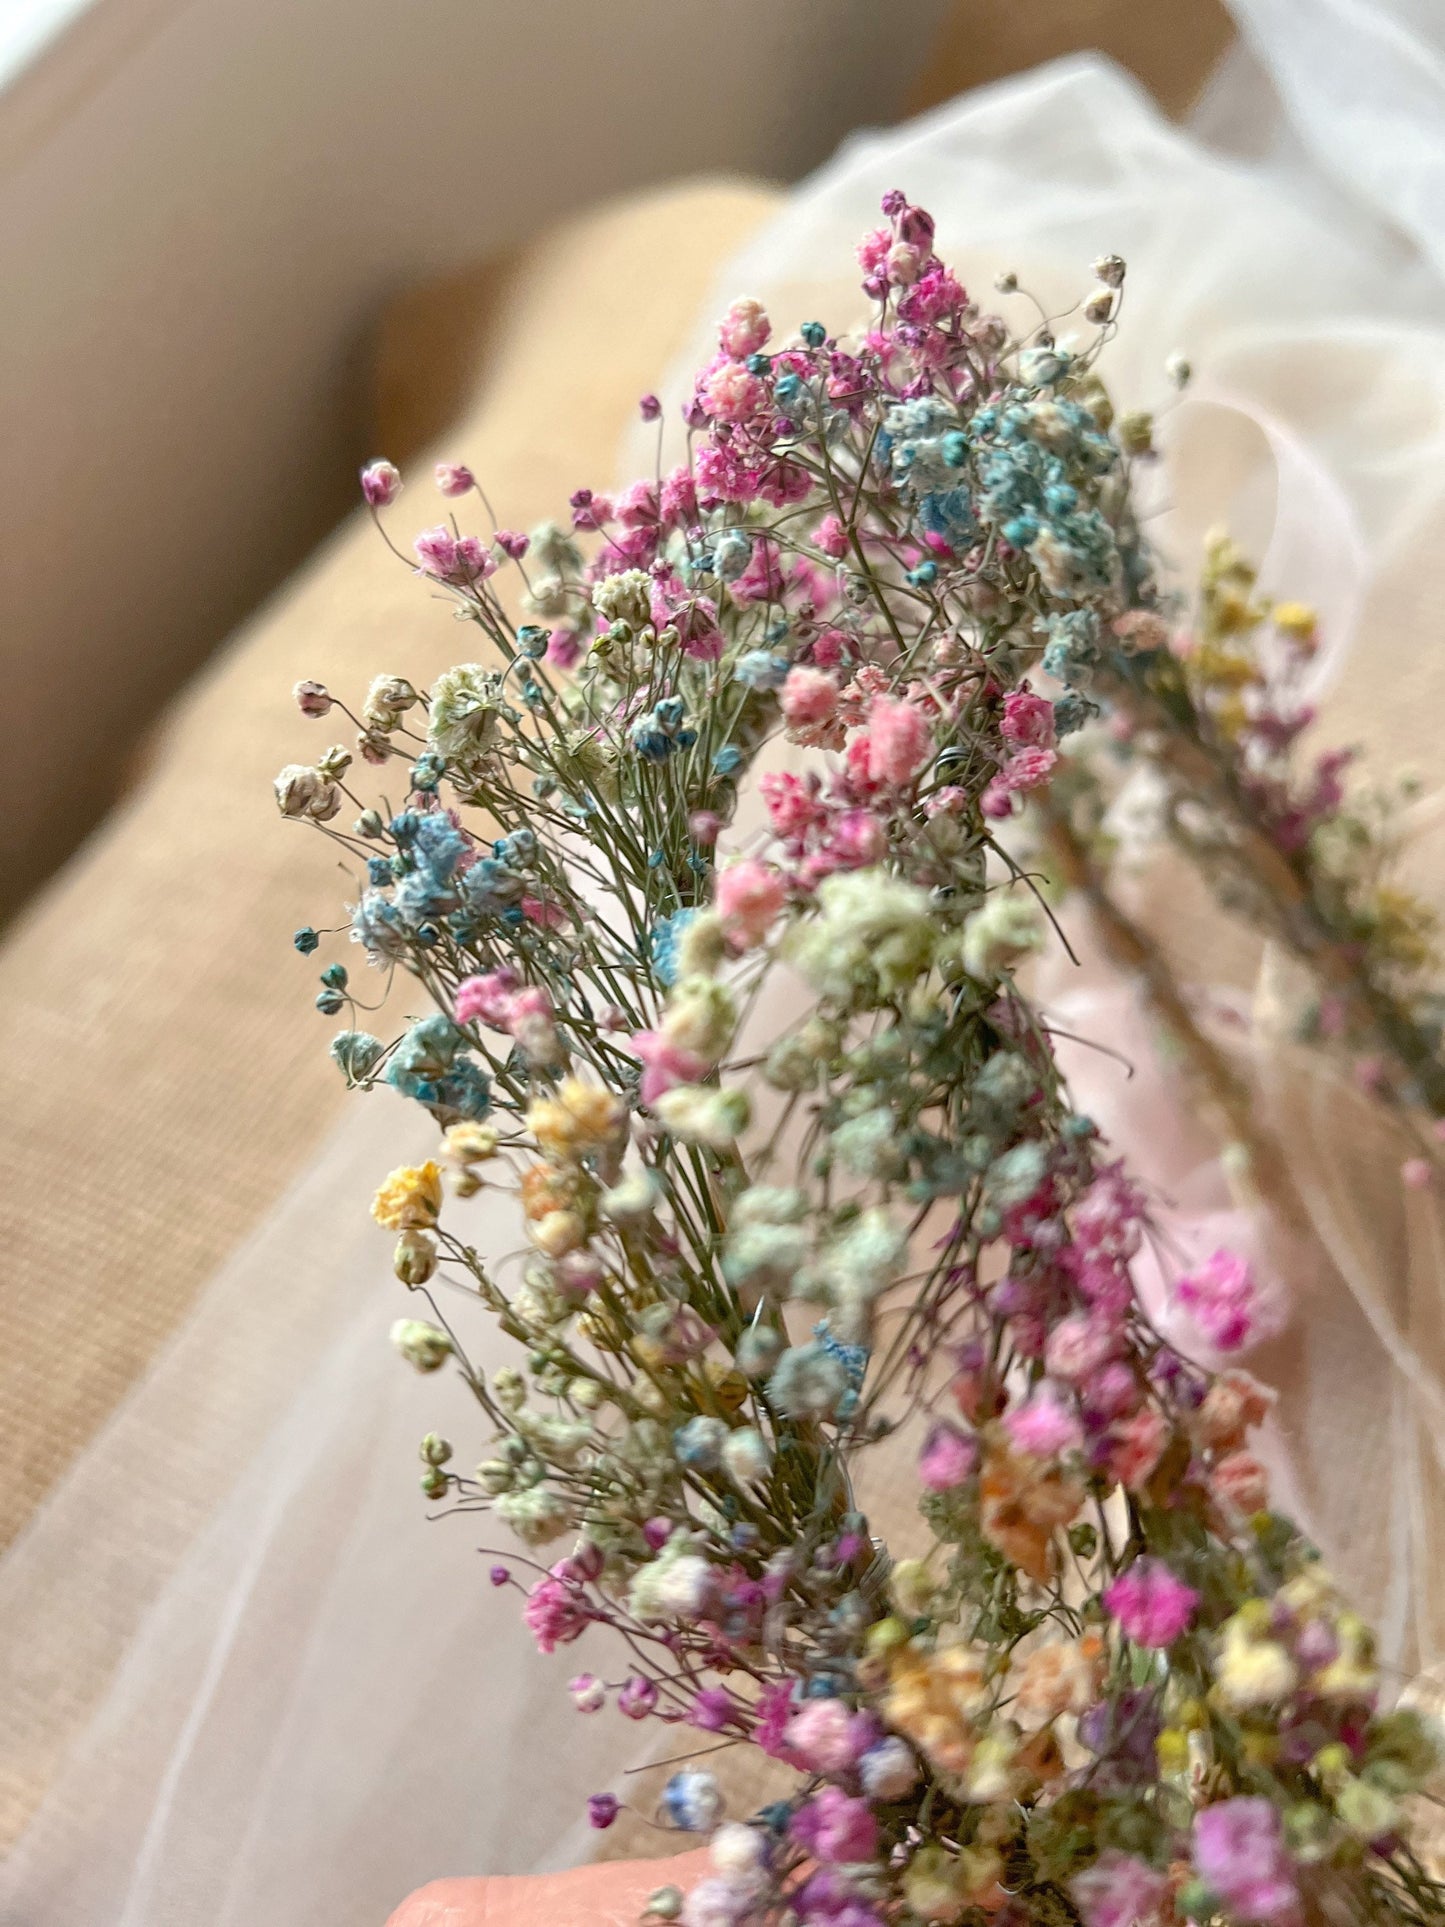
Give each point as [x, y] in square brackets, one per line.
[315, 1702]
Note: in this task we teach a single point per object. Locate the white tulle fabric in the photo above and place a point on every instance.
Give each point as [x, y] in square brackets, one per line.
[316, 1701]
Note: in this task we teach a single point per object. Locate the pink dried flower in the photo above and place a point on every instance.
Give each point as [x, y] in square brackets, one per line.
[826, 1736]
[731, 394]
[636, 1697]
[809, 698]
[455, 478]
[835, 1828]
[712, 1709]
[761, 580]
[774, 1711]
[856, 839]
[564, 649]
[588, 1693]
[832, 538]
[488, 997]
[436, 550]
[649, 407]
[1149, 1604]
[1028, 720]
[793, 807]
[1136, 1445]
[664, 1064]
[749, 897]
[1239, 1484]
[677, 503]
[1227, 1303]
[744, 329]
[513, 543]
[1044, 1427]
[949, 1458]
[312, 698]
[900, 742]
[872, 250]
[1121, 1890]
[1078, 1345]
[556, 1614]
[1240, 1855]
[380, 483]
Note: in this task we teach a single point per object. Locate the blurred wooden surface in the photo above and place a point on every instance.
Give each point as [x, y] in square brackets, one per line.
[1169, 45]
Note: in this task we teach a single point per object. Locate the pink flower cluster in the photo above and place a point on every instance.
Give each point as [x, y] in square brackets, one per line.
[1228, 1303]
[503, 1002]
[1028, 728]
[1149, 1604]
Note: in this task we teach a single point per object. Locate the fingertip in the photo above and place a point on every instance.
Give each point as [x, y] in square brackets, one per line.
[444, 1903]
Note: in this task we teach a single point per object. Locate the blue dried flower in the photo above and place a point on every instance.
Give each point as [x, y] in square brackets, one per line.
[665, 940]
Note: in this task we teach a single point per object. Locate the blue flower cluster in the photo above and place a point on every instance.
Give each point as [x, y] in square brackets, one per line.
[660, 733]
[430, 1064]
[666, 938]
[1036, 460]
[356, 1053]
[926, 451]
[424, 883]
[1073, 650]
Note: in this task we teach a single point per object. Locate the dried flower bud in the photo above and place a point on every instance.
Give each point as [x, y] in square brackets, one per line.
[422, 1345]
[304, 791]
[1110, 268]
[1007, 282]
[415, 1258]
[435, 1450]
[380, 483]
[312, 698]
[297, 788]
[1179, 370]
[1136, 431]
[745, 1455]
[700, 1115]
[454, 478]
[387, 698]
[334, 763]
[470, 1142]
[758, 1350]
[1099, 307]
[637, 1196]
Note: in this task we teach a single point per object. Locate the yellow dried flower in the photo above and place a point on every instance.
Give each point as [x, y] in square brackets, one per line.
[582, 1118]
[470, 1142]
[410, 1199]
[932, 1699]
[1296, 619]
[1063, 1676]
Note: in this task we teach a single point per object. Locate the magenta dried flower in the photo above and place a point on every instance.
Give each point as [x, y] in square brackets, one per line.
[1149, 1604]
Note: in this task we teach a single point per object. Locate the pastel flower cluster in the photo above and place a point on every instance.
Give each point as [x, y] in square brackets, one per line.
[792, 1158]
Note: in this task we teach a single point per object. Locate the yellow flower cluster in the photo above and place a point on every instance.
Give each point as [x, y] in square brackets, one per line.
[934, 1699]
[580, 1121]
[410, 1199]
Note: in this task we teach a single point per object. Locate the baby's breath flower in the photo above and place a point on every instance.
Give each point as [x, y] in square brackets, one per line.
[422, 1345]
[698, 1114]
[1113, 1685]
[580, 1121]
[410, 1199]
